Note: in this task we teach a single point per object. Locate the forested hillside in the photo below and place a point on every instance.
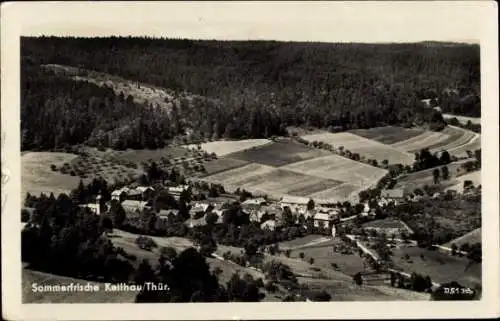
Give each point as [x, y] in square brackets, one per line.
[252, 89]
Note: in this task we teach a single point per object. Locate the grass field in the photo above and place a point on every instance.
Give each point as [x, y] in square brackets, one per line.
[439, 266]
[370, 149]
[472, 145]
[425, 139]
[387, 134]
[29, 296]
[37, 177]
[339, 168]
[278, 153]
[472, 237]
[225, 147]
[342, 192]
[463, 119]
[421, 178]
[475, 177]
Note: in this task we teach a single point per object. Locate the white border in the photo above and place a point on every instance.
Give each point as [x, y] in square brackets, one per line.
[478, 20]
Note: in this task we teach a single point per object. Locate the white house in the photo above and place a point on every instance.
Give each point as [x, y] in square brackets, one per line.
[120, 194]
[322, 219]
[132, 206]
[295, 203]
[176, 191]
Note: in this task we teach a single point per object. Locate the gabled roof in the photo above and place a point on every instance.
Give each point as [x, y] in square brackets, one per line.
[131, 204]
[142, 189]
[321, 216]
[393, 193]
[295, 200]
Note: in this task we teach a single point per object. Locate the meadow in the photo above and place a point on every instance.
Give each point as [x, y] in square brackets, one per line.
[37, 176]
[441, 267]
[472, 237]
[425, 139]
[367, 148]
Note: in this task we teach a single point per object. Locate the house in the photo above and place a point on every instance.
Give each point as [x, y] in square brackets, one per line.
[133, 206]
[134, 195]
[93, 207]
[255, 201]
[120, 194]
[191, 223]
[164, 214]
[270, 225]
[322, 220]
[220, 210]
[146, 192]
[199, 208]
[295, 203]
[176, 191]
[394, 195]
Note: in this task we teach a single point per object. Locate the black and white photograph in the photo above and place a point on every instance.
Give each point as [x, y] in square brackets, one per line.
[304, 155]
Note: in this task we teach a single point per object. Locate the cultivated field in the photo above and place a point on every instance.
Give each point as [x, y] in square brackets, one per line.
[370, 149]
[439, 266]
[225, 147]
[471, 238]
[273, 181]
[339, 168]
[425, 139]
[458, 138]
[388, 134]
[37, 177]
[29, 296]
[463, 119]
[278, 153]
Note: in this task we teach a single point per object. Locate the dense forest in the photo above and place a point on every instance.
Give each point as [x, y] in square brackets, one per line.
[245, 89]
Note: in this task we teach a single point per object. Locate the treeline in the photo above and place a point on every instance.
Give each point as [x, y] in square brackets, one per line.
[256, 89]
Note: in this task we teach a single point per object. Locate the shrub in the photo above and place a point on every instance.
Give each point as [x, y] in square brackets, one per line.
[72, 173]
[53, 167]
[311, 260]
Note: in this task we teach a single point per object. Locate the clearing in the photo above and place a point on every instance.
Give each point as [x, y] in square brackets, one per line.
[388, 134]
[37, 177]
[471, 238]
[278, 153]
[141, 93]
[439, 266]
[419, 179]
[367, 148]
[225, 147]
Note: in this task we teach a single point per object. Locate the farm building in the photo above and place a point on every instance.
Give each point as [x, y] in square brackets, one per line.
[134, 195]
[388, 226]
[132, 206]
[191, 223]
[295, 203]
[220, 210]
